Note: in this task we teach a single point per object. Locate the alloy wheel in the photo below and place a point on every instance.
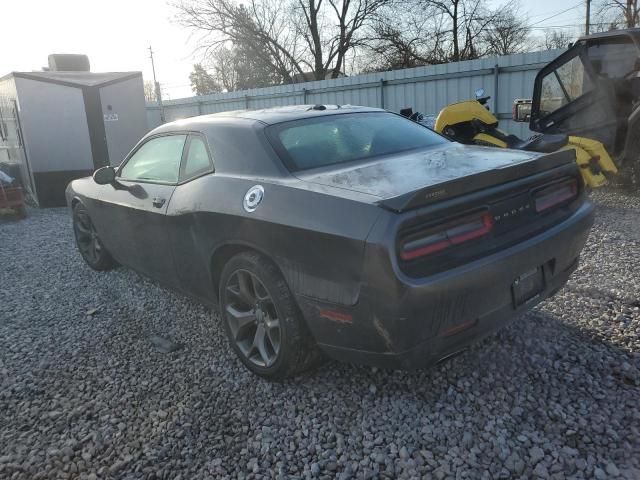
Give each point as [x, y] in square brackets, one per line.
[252, 318]
[87, 238]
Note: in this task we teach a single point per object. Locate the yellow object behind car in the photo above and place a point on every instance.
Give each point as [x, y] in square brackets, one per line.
[471, 122]
[593, 160]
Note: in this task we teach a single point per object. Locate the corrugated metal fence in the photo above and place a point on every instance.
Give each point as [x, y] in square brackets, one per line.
[426, 89]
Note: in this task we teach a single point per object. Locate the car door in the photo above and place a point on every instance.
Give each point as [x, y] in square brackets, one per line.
[570, 97]
[185, 216]
[132, 217]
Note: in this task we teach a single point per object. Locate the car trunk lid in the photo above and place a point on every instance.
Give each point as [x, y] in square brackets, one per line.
[414, 179]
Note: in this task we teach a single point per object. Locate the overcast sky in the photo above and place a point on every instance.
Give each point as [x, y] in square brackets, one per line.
[116, 34]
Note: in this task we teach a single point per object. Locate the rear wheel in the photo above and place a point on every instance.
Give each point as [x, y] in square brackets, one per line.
[91, 248]
[263, 323]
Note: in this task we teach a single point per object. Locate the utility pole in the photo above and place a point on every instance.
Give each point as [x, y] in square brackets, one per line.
[588, 19]
[631, 14]
[157, 86]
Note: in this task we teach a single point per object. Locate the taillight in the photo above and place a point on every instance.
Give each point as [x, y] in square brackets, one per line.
[554, 195]
[447, 235]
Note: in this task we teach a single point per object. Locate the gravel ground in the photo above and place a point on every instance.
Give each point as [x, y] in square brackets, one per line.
[85, 393]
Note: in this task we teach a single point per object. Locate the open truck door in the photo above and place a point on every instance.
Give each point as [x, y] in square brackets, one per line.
[593, 90]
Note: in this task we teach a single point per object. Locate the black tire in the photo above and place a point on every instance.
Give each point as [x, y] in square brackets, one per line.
[89, 245]
[296, 350]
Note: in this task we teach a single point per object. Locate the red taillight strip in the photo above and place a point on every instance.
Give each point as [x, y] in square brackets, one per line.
[555, 194]
[486, 224]
[467, 229]
[426, 250]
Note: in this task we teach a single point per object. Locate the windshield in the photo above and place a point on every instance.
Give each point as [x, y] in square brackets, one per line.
[335, 139]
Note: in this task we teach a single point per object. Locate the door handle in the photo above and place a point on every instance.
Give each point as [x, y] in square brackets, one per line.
[158, 202]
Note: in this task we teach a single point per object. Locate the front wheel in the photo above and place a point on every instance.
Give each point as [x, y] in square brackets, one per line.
[262, 321]
[89, 244]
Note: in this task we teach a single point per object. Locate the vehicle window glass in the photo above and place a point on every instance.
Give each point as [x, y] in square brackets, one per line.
[197, 161]
[157, 160]
[613, 59]
[334, 139]
[563, 85]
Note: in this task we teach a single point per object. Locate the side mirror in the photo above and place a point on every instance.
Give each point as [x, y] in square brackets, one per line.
[521, 111]
[479, 93]
[105, 175]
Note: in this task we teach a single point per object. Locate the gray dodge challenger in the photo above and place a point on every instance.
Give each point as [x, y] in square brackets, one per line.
[338, 231]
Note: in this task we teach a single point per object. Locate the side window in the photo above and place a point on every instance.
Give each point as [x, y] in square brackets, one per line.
[563, 85]
[197, 160]
[613, 58]
[158, 160]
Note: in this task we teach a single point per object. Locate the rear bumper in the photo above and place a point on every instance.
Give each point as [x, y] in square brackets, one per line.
[401, 322]
[441, 346]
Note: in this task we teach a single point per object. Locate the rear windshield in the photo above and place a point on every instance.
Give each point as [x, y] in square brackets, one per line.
[334, 139]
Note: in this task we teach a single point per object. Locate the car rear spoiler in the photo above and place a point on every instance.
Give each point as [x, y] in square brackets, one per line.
[471, 183]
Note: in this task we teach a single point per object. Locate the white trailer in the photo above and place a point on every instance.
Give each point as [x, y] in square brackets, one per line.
[56, 126]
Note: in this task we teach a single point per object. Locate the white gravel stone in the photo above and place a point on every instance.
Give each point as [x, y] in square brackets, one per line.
[559, 386]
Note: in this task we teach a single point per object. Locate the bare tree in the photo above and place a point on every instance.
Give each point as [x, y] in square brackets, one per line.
[295, 37]
[238, 67]
[407, 39]
[395, 50]
[329, 45]
[224, 65]
[423, 32]
[554, 39]
[467, 21]
[264, 42]
[259, 26]
[625, 13]
[149, 91]
[507, 33]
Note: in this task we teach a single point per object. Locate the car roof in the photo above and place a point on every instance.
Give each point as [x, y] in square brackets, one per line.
[634, 33]
[233, 136]
[296, 112]
[268, 116]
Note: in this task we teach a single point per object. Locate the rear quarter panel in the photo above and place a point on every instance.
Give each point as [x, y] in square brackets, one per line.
[315, 238]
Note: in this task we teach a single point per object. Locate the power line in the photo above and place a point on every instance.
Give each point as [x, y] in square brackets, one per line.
[575, 25]
[557, 14]
[542, 14]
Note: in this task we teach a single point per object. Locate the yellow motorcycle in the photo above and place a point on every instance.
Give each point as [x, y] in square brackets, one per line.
[471, 122]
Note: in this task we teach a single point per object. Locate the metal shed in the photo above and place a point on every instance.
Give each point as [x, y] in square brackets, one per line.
[59, 125]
